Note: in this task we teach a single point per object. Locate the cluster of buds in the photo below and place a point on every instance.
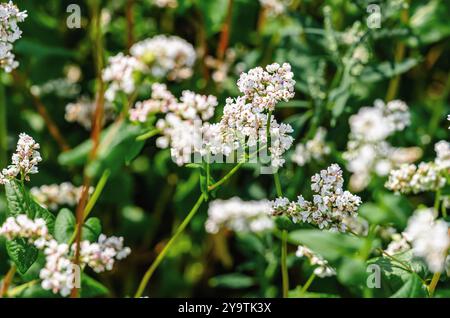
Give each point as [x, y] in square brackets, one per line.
[24, 160]
[323, 269]
[10, 15]
[427, 176]
[331, 206]
[58, 274]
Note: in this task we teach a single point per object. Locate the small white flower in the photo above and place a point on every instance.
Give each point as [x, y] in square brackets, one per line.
[10, 16]
[55, 195]
[239, 216]
[332, 208]
[429, 238]
[83, 110]
[119, 75]
[166, 56]
[323, 269]
[24, 160]
[314, 149]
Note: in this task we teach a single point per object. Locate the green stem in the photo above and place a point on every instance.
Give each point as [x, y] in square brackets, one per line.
[226, 177]
[437, 200]
[148, 134]
[276, 178]
[166, 249]
[284, 269]
[308, 283]
[284, 236]
[433, 284]
[17, 290]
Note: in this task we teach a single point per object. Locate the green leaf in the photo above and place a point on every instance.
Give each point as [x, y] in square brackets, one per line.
[19, 202]
[114, 155]
[92, 229]
[413, 288]
[330, 245]
[65, 227]
[16, 198]
[387, 70]
[233, 281]
[37, 211]
[92, 288]
[214, 13]
[22, 254]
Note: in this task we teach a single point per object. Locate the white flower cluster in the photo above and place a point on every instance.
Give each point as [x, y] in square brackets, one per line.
[120, 74]
[161, 56]
[323, 269]
[315, 149]
[10, 15]
[22, 226]
[24, 160]
[274, 7]
[427, 176]
[244, 123]
[331, 205]
[442, 149]
[166, 56]
[429, 238]
[368, 151]
[58, 274]
[399, 244]
[245, 119]
[182, 125]
[55, 195]
[82, 112]
[100, 256]
[264, 88]
[239, 216]
[166, 3]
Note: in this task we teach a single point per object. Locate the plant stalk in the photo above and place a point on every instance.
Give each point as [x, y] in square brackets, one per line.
[166, 248]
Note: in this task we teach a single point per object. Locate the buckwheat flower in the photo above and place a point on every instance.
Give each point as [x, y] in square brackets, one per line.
[24, 160]
[414, 179]
[55, 195]
[368, 152]
[323, 269]
[168, 57]
[274, 7]
[266, 87]
[10, 16]
[442, 160]
[368, 124]
[23, 227]
[314, 149]
[120, 75]
[429, 238]
[396, 113]
[331, 208]
[399, 244]
[82, 112]
[161, 101]
[166, 3]
[243, 125]
[58, 274]
[101, 256]
[239, 216]
[60, 87]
